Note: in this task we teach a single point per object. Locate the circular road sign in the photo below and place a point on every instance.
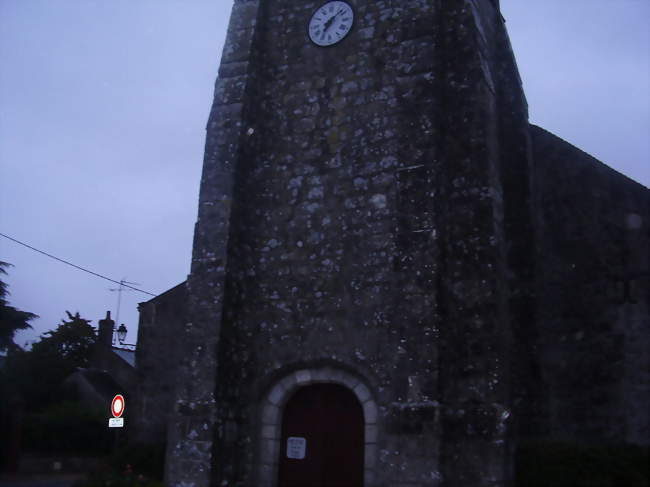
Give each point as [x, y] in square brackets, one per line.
[117, 406]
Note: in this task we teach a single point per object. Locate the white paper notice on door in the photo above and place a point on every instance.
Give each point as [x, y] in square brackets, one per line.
[296, 447]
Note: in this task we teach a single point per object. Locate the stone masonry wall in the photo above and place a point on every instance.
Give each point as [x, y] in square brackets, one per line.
[161, 321]
[593, 295]
[313, 276]
[191, 428]
[367, 232]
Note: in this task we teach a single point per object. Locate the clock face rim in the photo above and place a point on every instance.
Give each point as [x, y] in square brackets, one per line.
[336, 41]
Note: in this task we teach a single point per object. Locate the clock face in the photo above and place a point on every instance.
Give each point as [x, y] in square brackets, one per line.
[330, 23]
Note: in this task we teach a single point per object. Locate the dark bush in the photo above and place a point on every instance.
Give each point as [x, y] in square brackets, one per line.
[134, 465]
[148, 460]
[126, 478]
[557, 464]
[68, 427]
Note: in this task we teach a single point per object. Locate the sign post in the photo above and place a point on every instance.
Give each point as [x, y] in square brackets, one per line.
[117, 409]
[117, 421]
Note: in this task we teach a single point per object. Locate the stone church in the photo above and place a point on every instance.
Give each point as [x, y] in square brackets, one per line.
[395, 277]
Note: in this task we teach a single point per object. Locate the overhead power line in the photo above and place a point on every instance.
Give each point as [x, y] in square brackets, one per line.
[74, 265]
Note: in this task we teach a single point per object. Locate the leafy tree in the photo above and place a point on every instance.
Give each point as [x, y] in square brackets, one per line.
[11, 319]
[31, 381]
[36, 375]
[72, 342]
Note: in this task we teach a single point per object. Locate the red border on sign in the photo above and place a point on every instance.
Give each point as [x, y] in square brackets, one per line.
[119, 413]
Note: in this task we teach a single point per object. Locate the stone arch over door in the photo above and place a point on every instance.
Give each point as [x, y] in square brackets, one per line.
[271, 419]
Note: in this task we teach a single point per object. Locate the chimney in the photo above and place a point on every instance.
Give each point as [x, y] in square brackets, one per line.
[106, 331]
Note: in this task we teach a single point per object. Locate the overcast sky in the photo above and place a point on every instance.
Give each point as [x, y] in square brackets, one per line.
[103, 105]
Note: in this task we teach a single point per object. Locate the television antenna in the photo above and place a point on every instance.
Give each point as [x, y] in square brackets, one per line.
[119, 291]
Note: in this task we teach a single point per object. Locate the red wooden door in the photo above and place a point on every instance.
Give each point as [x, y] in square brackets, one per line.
[325, 425]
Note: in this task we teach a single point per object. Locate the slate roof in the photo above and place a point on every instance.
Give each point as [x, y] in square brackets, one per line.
[127, 355]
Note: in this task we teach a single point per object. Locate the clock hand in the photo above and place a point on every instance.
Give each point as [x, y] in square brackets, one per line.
[328, 24]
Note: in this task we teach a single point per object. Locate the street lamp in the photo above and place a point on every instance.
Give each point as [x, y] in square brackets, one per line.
[121, 333]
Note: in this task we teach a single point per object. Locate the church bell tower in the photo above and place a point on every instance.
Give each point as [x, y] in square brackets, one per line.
[358, 244]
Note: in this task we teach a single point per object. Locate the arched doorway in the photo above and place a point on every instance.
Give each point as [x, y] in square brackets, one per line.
[322, 442]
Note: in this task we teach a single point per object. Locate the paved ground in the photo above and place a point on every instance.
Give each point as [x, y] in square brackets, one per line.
[39, 480]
